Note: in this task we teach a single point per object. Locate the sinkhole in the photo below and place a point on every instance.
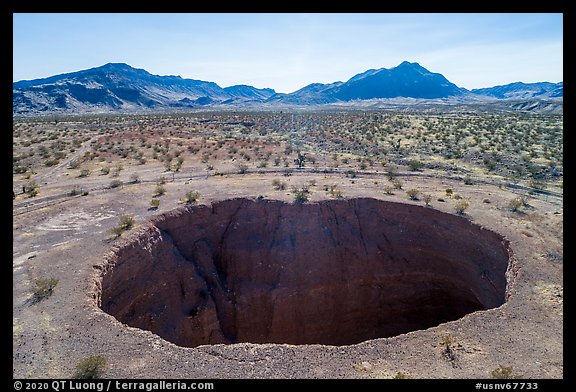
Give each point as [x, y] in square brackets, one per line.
[335, 272]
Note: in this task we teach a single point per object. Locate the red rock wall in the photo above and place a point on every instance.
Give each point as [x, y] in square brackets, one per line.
[335, 272]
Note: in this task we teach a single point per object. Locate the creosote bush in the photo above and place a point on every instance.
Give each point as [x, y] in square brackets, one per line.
[91, 367]
[191, 197]
[515, 204]
[278, 185]
[504, 372]
[154, 204]
[413, 193]
[43, 287]
[461, 206]
[125, 223]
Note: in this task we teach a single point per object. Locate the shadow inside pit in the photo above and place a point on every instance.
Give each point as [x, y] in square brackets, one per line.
[336, 272]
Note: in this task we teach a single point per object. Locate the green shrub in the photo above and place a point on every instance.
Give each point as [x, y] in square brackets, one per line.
[125, 222]
[154, 203]
[84, 173]
[43, 287]
[160, 190]
[191, 197]
[503, 372]
[134, 178]
[301, 196]
[461, 206]
[278, 185]
[468, 180]
[31, 188]
[413, 194]
[401, 376]
[515, 204]
[116, 184]
[91, 367]
[427, 198]
[397, 183]
[415, 165]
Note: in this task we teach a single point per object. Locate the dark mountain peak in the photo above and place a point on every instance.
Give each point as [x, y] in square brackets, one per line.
[116, 66]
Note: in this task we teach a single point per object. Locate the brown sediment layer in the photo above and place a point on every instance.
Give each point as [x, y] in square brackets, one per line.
[335, 272]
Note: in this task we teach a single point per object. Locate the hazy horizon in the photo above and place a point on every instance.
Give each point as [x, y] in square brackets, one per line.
[289, 51]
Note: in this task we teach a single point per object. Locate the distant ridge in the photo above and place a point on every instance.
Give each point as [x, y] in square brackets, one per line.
[118, 87]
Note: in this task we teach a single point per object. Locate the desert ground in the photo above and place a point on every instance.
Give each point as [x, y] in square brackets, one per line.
[75, 177]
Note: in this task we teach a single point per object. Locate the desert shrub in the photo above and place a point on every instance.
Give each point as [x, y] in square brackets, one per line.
[333, 191]
[504, 372]
[427, 198]
[75, 191]
[91, 367]
[160, 190]
[461, 206]
[448, 191]
[115, 183]
[74, 164]
[105, 170]
[43, 287]
[191, 197]
[31, 188]
[401, 376]
[413, 193]
[468, 180]
[278, 185]
[301, 196]
[125, 222]
[446, 343]
[515, 204]
[161, 180]
[51, 162]
[84, 173]
[242, 168]
[415, 164]
[397, 183]
[154, 203]
[134, 178]
[389, 190]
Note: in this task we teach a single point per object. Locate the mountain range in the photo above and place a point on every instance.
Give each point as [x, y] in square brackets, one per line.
[118, 87]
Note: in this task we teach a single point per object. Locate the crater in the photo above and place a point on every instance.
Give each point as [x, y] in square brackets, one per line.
[336, 272]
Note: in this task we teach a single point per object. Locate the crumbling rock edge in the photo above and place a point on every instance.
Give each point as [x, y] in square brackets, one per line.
[220, 297]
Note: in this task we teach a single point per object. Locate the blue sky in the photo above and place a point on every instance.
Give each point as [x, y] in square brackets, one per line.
[288, 51]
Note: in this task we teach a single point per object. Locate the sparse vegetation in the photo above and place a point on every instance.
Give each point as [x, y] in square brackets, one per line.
[461, 206]
[44, 287]
[134, 178]
[159, 191]
[91, 368]
[278, 185]
[504, 373]
[125, 223]
[415, 165]
[427, 198]
[301, 196]
[515, 204]
[191, 197]
[31, 189]
[413, 193]
[115, 184]
[401, 376]
[154, 204]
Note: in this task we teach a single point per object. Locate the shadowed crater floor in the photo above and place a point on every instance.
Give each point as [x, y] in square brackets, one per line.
[335, 272]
